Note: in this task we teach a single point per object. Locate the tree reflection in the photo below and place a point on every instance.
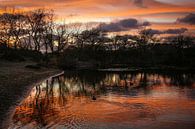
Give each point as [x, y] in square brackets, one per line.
[182, 80]
[47, 101]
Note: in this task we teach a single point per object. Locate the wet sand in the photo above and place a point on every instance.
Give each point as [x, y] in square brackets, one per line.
[15, 84]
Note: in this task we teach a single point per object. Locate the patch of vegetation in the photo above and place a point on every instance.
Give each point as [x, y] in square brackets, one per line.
[153, 56]
[11, 54]
[33, 66]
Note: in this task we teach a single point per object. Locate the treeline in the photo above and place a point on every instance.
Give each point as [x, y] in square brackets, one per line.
[31, 30]
[71, 46]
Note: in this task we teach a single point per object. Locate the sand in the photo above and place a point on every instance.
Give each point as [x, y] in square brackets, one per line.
[15, 82]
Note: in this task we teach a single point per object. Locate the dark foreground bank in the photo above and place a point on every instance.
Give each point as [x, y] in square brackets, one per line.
[15, 81]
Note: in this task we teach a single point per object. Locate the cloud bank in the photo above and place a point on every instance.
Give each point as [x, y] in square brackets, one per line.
[123, 25]
[168, 31]
[189, 19]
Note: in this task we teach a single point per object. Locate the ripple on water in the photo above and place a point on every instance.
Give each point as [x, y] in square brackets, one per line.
[121, 101]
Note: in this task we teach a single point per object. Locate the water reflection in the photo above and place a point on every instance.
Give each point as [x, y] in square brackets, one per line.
[109, 100]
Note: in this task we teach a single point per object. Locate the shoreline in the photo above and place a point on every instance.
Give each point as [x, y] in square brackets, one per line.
[14, 90]
[11, 111]
[142, 69]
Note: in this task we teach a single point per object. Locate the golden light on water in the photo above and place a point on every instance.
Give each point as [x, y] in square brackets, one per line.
[121, 101]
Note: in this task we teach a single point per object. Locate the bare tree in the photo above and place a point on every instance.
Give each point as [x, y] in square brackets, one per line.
[182, 41]
[37, 23]
[91, 38]
[144, 38]
[17, 23]
[63, 35]
[48, 31]
[78, 38]
[5, 28]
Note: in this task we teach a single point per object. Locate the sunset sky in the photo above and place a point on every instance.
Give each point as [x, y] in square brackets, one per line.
[161, 14]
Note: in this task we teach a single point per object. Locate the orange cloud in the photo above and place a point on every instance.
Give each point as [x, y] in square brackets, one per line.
[159, 11]
[97, 8]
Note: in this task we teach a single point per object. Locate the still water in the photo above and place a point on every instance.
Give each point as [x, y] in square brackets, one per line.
[110, 101]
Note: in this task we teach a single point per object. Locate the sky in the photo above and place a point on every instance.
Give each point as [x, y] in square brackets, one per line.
[161, 14]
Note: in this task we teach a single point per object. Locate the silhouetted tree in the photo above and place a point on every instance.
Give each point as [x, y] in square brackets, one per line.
[62, 37]
[144, 38]
[92, 38]
[182, 41]
[49, 30]
[37, 22]
[5, 27]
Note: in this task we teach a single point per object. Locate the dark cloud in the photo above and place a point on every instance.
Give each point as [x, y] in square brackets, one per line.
[146, 23]
[123, 25]
[128, 23]
[176, 31]
[152, 31]
[169, 31]
[189, 19]
[139, 3]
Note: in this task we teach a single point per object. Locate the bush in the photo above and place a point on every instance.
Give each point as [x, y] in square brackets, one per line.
[20, 55]
[37, 66]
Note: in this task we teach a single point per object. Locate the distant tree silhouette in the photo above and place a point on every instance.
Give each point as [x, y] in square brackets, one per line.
[37, 23]
[144, 38]
[5, 27]
[182, 41]
[62, 37]
[89, 38]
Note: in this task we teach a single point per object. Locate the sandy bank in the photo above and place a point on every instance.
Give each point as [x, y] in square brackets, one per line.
[15, 82]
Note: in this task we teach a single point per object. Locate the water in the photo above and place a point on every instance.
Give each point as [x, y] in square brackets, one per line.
[110, 101]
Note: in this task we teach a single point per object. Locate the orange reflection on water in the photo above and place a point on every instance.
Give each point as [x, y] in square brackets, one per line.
[109, 101]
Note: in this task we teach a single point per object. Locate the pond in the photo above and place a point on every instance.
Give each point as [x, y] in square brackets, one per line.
[110, 100]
